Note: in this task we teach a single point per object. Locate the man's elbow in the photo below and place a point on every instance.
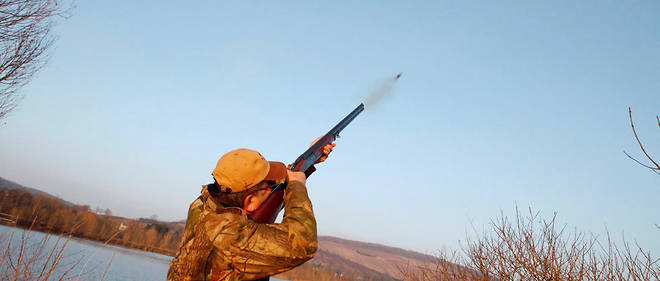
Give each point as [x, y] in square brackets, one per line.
[311, 249]
[304, 249]
[307, 253]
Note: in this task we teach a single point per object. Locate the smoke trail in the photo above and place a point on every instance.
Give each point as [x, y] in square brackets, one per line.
[381, 92]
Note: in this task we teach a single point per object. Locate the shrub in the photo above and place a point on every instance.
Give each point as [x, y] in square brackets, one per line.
[531, 248]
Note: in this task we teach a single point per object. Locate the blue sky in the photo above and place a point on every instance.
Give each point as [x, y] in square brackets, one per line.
[501, 104]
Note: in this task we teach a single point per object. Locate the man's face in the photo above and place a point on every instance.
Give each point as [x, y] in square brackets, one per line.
[254, 200]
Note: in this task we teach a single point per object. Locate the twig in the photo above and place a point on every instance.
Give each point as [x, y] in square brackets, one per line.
[52, 251]
[6, 253]
[58, 257]
[94, 254]
[632, 125]
[655, 170]
[20, 256]
[107, 267]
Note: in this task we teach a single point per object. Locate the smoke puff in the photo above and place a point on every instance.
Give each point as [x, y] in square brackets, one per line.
[380, 93]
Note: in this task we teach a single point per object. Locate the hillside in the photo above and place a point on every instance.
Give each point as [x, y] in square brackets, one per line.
[355, 260]
[377, 257]
[7, 184]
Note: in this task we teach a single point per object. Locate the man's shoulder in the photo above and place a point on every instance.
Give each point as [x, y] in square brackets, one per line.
[208, 210]
[228, 221]
[196, 204]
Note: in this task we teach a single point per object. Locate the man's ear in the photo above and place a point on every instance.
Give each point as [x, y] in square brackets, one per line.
[249, 204]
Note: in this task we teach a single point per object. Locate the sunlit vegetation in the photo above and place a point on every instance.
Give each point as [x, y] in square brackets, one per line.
[30, 256]
[530, 248]
[49, 214]
[30, 260]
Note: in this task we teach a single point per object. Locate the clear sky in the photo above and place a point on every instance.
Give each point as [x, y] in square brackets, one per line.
[501, 103]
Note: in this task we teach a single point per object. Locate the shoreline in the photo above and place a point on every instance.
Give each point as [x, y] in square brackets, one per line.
[112, 241]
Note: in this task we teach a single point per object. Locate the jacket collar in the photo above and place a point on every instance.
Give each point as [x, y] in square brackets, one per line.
[211, 202]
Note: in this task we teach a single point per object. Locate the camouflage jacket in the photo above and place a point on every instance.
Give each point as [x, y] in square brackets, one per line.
[221, 243]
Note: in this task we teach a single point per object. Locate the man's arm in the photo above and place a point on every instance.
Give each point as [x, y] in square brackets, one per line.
[259, 250]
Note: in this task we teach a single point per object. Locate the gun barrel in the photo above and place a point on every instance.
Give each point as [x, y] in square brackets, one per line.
[309, 157]
[347, 120]
[267, 212]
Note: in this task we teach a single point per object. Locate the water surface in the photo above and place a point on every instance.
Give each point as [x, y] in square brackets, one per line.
[90, 259]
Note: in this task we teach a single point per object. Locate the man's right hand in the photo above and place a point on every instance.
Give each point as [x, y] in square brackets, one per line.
[296, 176]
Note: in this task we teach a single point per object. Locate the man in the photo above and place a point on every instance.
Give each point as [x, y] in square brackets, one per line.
[220, 242]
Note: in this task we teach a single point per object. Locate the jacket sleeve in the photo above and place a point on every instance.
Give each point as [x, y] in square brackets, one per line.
[259, 250]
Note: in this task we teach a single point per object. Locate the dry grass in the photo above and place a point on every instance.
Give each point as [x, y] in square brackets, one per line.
[34, 259]
[530, 248]
[39, 257]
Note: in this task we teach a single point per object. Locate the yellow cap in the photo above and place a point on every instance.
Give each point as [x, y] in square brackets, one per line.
[243, 168]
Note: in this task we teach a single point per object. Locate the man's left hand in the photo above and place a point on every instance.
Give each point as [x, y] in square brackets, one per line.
[326, 150]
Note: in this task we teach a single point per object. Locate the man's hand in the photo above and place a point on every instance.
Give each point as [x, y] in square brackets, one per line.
[296, 176]
[326, 150]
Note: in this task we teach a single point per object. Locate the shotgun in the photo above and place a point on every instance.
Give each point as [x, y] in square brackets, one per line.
[271, 207]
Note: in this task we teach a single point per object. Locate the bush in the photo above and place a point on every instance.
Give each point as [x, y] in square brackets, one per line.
[531, 248]
[33, 256]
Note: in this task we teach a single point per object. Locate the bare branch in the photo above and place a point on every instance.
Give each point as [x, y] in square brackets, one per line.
[25, 38]
[655, 170]
[632, 125]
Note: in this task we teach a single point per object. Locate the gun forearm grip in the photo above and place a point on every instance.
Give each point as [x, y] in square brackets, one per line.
[309, 171]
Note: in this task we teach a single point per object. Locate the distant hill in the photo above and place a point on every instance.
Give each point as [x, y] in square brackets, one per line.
[7, 184]
[377, 257]
[355, 260]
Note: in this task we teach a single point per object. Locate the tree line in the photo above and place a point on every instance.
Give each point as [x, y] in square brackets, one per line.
[50, 214]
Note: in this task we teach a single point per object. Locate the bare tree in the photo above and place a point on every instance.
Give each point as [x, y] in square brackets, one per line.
[655, 167]
[25, 37]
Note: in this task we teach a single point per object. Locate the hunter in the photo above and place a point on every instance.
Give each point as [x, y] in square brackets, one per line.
[220, 242]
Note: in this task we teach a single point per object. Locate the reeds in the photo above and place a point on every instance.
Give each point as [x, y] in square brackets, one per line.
[38, 256]
[28, 258]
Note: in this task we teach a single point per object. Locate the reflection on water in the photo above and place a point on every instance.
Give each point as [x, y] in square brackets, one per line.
[90, 259]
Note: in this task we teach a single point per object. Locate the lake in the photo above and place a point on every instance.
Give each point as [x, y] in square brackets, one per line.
[89, 259]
